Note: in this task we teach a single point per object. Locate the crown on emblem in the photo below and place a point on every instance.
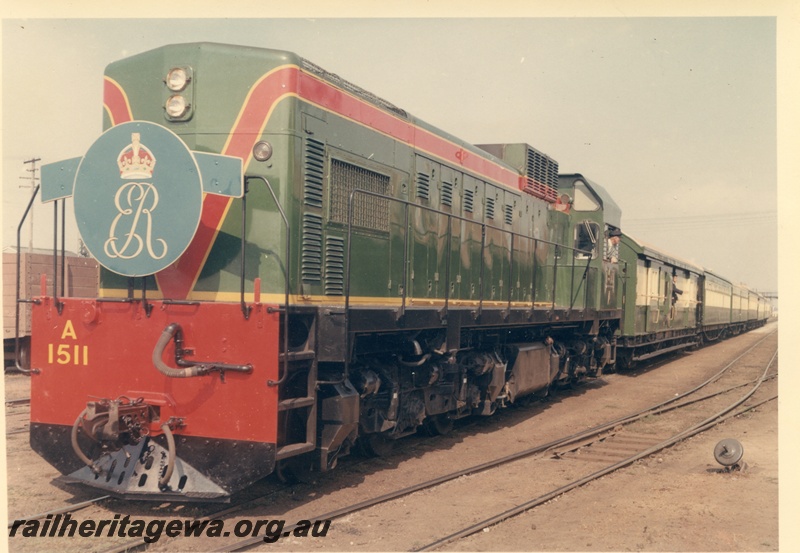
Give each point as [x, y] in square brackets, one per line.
[135, 160]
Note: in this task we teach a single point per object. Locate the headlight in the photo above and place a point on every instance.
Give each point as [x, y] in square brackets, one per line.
[262, 151]
[176, 106]
[177, 79]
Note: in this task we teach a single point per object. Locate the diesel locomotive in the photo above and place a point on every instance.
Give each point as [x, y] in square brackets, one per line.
[291, 266]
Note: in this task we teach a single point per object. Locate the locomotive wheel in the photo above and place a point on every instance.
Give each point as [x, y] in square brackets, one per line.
[376, 445]
[438, 425]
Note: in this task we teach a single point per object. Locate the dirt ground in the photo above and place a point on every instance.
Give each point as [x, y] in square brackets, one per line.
[677, 500]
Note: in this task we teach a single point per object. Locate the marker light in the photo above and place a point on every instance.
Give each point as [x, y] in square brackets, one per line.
[177, 79]
[262, 151]
[176, 106]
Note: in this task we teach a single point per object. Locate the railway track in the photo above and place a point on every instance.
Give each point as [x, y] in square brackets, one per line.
[72, 508]
[582, 439]
[15, 409]
[728, 412]
[561, 447]
[19, 401]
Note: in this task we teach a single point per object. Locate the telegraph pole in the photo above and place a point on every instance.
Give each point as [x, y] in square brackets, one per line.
[33, 177]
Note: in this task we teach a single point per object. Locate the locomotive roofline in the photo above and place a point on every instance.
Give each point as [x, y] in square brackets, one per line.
[295, 60]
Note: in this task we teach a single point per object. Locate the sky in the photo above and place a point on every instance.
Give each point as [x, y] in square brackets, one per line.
[675, 117]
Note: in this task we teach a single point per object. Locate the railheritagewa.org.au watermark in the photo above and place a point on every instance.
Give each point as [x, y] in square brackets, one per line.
[63, 526]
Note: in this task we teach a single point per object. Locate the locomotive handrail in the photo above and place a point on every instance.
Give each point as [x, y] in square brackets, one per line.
[245, 307]
[583, 280]
[484, 226]
[405, 259]
[555, 276]
[17, 363]
[447, 263]
[480, 278]
[510, 277]
[287, 273]
[533, 282]
[59, 304]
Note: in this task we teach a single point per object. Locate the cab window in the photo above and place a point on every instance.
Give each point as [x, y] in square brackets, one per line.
[584, 200]
[587, 235]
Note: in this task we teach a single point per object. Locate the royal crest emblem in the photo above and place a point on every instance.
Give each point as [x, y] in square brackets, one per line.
[137, 216]
[138, 197]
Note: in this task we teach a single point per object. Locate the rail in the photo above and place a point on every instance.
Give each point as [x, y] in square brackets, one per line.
[407, 205]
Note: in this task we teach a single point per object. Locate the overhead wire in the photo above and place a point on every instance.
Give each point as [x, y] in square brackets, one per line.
[703, 221]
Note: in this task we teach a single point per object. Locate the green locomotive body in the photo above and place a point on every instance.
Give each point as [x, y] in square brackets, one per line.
[329, 138]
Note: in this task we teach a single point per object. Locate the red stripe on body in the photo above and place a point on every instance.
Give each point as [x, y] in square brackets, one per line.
[116, 102]
[177, 281]
[323, 94]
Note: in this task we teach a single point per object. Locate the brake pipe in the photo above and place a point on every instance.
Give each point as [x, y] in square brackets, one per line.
[76, 448]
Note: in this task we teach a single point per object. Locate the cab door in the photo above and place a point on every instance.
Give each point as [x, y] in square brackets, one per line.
[658, 282]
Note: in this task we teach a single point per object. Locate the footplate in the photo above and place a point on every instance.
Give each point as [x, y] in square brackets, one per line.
[134, 471]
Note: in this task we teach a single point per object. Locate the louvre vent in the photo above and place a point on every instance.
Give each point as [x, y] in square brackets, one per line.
[469, 200]
[423, 186]
[489, 208]
[334, 266]
[447, 194]
[509, 214]
[311, 263]
[313, 165]
[369, 212]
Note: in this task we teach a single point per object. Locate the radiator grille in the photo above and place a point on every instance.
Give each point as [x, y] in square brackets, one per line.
[541, 175]
[368, 211]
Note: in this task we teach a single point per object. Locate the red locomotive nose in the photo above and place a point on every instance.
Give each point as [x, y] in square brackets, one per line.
[157, 434]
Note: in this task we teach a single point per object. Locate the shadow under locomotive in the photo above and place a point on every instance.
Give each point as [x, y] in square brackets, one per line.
[304, 485]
